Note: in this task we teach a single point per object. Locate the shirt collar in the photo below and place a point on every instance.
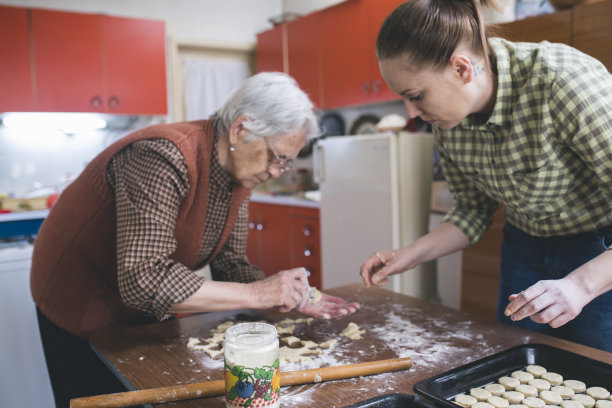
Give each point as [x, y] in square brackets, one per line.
[217, 174]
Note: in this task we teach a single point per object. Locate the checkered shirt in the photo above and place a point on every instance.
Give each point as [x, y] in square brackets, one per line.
[149, 180]
[545, 152]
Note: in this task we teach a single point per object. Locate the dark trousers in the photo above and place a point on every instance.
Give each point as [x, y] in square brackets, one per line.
[526, 259]
[74, 368]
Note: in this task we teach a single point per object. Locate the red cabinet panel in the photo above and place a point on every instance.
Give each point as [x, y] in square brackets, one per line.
[134, 58]
[68, 61]
[303, 54]
[15, 62]
[271, 50]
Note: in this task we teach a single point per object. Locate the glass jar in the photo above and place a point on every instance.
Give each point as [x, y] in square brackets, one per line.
[252, 373]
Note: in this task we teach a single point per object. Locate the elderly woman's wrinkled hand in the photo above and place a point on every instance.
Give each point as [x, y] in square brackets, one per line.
[286, 290]
[329, 306]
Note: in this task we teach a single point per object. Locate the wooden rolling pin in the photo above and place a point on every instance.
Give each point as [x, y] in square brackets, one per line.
[215, 388]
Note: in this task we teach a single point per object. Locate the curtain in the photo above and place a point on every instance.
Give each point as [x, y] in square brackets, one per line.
[208, 84]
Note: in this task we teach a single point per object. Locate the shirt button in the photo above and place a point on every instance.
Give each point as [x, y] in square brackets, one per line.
[493, 161]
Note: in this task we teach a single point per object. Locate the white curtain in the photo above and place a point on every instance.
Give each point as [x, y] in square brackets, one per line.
[208, 84]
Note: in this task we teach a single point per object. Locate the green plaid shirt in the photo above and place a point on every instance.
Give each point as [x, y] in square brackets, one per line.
[545, 152]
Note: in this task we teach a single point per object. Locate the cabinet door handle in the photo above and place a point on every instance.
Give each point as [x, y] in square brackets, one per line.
[306, 230]
[376, 85]
[365, 88]
[307, 251]
[96, 101]
[251, 225]
[113, 101]
[260, 227]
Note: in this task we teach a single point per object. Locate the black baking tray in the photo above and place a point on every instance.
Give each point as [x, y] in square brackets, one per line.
[396, 400]
[442, 388]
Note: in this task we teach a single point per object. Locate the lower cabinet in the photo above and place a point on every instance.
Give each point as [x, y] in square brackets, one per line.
[284, 237]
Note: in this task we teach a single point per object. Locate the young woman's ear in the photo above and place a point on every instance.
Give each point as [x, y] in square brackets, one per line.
[463, 67]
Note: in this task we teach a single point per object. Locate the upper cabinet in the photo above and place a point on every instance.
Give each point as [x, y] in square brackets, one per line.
[331, 53]
[91, 63]
[15, 61]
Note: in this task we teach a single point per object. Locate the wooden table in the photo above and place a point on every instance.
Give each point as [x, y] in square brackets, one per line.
[437, 338]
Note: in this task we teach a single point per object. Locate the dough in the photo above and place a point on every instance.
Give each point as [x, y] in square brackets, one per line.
[517, 406]
[585, 400]
[513, 397]
[495, 389]
[527, 390]
[498, 402]
[533, 402]
[509, 383]
[577, 386]
[564, 391]
[212, 349]
[571, 404]
[551, 397]
[465, 401]
[522, 376]
[314, 296]
[352, 332]
[480, 394]
[540, 384]
[482, 404]
[603, 404]
[291, 340]
[599, 393]
[553, 378]
[535, 370]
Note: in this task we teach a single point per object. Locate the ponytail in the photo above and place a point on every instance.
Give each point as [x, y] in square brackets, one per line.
[427, 32]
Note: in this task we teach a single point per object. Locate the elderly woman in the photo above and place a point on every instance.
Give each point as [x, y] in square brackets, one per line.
[120, 246]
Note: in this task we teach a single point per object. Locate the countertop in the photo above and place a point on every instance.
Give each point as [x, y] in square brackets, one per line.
[298, 200]
[437, 338]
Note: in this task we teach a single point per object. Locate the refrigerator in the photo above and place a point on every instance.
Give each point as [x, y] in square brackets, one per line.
[375, 194]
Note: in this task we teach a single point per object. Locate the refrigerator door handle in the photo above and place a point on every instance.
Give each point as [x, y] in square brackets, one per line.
[318, 159]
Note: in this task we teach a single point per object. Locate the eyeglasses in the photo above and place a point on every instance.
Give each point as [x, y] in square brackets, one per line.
[282, 163]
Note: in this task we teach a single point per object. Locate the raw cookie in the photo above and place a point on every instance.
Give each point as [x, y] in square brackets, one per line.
[517, 406]
[551, 406]
[527, 390]
[535, 370]
[540, 384]
[571, 404]
[577, 386]
[522, 376]
[551, 397]
[599, 393]
[513, 397]
[352, 331]
[495, 389]
[499, 402]
[553, 378]
[585, 400]
[603, 404]
[533, 402]
[314, 296]
[509, 383]
[564, 391]
[480, 394]
[465, 401]
[482, 404]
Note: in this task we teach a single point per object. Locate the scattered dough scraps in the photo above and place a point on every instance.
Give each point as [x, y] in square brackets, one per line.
[314, 296]
[352, 332]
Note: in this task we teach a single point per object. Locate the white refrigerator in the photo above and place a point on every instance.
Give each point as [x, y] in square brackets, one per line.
[375, 193]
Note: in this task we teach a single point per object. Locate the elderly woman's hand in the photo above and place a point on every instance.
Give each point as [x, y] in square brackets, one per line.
[285, 289]
[328, 307]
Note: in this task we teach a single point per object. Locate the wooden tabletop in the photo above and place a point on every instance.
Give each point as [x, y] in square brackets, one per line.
[437, 338]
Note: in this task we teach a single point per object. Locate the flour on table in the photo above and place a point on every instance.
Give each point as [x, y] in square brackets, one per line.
[352, 332]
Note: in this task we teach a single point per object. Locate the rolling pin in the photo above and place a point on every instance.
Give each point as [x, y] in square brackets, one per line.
[215, 388]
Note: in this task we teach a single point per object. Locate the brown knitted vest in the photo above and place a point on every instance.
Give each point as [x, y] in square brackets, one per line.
[74, 266]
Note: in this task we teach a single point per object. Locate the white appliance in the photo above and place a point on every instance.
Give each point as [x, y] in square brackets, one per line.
[375, 194]
[21, 352]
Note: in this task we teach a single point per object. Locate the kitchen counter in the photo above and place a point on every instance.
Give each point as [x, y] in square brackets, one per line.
[437, 338]
[295, 200]
[20, 223]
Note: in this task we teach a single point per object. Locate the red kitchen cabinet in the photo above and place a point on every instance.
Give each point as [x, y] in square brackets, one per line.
[271, 49]
[283, 237]
[15, 61]
[304, 56]
[96, 63]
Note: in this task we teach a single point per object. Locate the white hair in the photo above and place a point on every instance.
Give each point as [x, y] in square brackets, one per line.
[274, 104]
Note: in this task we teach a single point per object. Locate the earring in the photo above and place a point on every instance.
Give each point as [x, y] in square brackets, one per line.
[232, 148]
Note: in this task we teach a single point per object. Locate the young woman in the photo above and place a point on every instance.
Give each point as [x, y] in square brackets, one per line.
[525, 125]
[120, 246]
